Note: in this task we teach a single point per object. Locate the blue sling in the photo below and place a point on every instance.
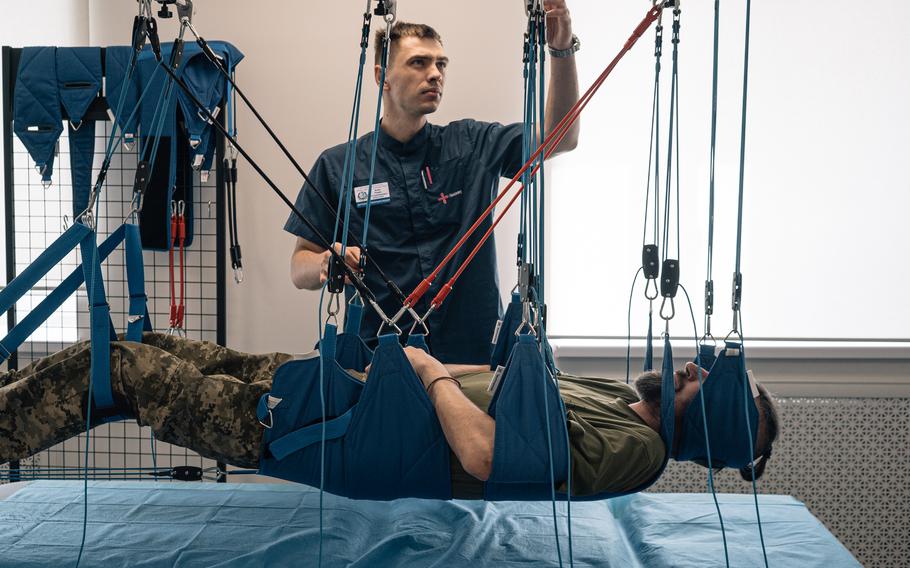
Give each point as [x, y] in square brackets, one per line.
[117, 60]
[370, 451]
[79, 79]
[730, 410]
[37, 119]
[504, 337]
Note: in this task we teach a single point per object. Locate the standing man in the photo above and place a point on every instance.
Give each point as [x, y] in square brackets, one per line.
[430, 184]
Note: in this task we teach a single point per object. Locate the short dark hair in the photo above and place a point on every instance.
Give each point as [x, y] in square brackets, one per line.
[400, 30]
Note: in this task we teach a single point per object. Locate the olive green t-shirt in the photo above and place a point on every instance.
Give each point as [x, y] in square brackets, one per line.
[612, 448]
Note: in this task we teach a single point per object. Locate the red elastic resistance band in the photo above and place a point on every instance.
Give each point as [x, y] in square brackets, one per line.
[178, 240]
[172, 322]
[546, 147]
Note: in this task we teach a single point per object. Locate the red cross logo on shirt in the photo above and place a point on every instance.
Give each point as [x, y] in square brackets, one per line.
[443, 198]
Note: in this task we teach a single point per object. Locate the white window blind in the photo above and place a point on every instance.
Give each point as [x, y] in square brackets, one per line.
[827, 196]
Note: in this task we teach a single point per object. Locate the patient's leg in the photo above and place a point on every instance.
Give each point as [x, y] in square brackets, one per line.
[43, 404]
[214, 415]
[213, 359]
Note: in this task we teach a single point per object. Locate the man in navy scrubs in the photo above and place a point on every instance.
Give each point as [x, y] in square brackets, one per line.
[430, 184]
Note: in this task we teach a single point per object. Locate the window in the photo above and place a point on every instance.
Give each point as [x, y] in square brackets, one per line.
[826, 196]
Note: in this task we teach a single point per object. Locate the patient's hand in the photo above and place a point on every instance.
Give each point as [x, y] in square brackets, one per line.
[426, 366]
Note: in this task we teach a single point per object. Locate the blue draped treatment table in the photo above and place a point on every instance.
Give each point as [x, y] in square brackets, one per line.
[148, 524]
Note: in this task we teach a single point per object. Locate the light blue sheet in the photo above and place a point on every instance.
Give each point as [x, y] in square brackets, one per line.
[146, 524]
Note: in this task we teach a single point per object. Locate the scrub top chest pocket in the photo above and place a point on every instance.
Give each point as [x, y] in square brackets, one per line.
[444, 191]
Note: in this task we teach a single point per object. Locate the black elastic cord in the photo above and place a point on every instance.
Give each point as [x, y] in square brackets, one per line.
[355, 279]
[392, 287]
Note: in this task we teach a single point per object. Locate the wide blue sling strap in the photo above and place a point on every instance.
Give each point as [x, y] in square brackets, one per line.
[79, 79]
[117, 61]
[351, 352]
[210, 87]
[50, 304]
[504, 337]
[102, 330]
[706, 356]
[730, 410]
[370, 451]
[531, 445]
[395, 446]
[49, 258]
[37, 119]
[138, 319]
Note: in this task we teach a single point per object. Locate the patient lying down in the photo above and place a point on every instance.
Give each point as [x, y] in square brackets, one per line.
[203, 397]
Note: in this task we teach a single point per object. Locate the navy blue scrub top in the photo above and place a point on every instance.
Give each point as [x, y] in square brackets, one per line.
[419, 223]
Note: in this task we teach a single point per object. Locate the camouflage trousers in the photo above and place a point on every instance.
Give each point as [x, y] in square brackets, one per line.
[191, 393]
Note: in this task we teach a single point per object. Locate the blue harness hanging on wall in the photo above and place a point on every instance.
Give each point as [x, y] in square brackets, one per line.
[175, 126]
[50, 78]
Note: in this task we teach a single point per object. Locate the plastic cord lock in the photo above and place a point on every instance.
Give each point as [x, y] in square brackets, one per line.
[669, 278]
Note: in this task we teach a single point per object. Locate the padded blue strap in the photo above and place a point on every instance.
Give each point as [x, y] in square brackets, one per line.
[706, 356]
[299, 439]
[419, 341]
[117, 61]
[138, 318]
[101, 330]
[327, 348]
[37, 119]
[54, 300]
[530, 422]
[353, 317]
[82, 158]
[649, 344]
[668, 396]
[78, 79]
[504, 335]
[51, 257]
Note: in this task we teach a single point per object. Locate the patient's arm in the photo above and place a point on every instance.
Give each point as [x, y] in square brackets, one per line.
[458, 369]
[468, 429]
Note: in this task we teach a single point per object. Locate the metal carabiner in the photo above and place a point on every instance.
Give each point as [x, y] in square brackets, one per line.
[672, 309]
[333, 307]
[648, 284]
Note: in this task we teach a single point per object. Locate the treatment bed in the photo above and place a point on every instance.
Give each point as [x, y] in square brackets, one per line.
[146, 524]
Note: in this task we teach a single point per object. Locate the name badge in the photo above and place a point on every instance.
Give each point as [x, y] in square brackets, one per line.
[381, 194]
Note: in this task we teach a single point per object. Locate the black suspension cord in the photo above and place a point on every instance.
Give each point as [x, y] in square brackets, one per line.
[210, 55]
[354, 278]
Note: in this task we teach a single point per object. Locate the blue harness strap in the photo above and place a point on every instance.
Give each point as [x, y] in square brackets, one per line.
[138, 319]
[351, 351]
[37, 119]
[210, 87]
[504, 337]
[79, 80]
[117, 61]
[525, 401]
[295, 403]
[395, 446]
[418, 340]
[706, 356]
[102, 331]
[34, 272]
[40, 313]
[724, 391]
[383, 440]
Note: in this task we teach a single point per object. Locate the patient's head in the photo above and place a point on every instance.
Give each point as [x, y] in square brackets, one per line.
[687, 384]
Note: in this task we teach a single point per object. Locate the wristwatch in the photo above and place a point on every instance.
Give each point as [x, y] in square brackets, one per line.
[576, 45]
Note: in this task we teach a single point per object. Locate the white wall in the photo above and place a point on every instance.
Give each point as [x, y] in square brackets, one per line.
[299, 71]
[62, 22]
